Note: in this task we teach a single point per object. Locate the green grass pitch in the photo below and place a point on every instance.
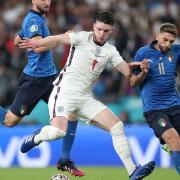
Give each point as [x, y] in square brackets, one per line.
[92, 173]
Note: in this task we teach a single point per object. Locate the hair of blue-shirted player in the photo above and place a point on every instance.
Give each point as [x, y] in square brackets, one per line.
[169, 28]
[106, 17]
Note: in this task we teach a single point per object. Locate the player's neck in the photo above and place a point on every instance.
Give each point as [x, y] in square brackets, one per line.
[96, 42]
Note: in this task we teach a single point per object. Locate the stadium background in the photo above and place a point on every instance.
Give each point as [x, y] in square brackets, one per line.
[136, 24]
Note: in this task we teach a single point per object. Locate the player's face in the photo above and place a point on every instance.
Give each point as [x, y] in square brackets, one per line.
[102, 31]
[165, 41]
[42, 6]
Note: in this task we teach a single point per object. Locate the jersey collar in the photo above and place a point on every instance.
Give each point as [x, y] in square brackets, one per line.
[38, 13]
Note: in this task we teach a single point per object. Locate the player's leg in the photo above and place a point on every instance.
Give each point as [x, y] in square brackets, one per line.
[23, 103]
[161, 124]
[56, 130]
[58, 122]
[2, 114]
[121, 144]
[64, 163]
[105, 119]
[172, 139]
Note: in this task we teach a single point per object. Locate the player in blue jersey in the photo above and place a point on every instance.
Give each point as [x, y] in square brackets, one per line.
[156, 78]
[35, 82]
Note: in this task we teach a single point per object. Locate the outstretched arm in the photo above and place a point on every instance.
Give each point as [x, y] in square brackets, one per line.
[45, 44]
[126, 68]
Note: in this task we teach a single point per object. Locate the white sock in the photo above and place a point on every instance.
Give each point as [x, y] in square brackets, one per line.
[121, 146]
[49, 133]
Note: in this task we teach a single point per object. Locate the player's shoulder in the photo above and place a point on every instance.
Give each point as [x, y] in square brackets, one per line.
[176, 47]
[84, 34]
[32, 17]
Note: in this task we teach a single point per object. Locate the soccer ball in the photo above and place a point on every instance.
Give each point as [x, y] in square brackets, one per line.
[59, 177]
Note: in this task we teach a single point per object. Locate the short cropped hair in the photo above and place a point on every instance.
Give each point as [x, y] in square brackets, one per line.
[105, 17]
[169, 28]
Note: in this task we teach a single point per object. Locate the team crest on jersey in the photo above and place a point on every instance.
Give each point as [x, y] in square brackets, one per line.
[170, 57]
[33, 28]
[97, 51]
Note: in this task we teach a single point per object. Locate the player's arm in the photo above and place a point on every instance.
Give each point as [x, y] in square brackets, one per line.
[136, 80]
[45, 44]
[17, 40]
[126, 69]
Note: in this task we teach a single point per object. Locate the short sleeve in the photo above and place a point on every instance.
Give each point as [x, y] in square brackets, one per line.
[116, 58]
[33, 28]
[76, 37]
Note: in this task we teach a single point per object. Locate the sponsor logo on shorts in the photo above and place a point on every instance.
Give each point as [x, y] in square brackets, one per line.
[60, 109]
[162, 122]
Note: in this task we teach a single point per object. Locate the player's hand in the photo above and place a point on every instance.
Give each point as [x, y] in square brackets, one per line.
[134, 64]
[144, 66]
[28, 43]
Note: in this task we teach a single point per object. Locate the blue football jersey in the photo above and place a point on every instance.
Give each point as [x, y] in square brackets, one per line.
[39, 64]
[158, 90]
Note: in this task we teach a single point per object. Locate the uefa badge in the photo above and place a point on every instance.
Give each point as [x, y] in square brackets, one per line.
[33, 28]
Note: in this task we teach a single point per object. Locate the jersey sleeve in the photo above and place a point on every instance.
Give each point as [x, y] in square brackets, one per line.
[115, 58]
[33, 28]
[77, 37]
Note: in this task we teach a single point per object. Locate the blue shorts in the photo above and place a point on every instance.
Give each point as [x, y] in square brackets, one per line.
[30, 91]
[161, 120]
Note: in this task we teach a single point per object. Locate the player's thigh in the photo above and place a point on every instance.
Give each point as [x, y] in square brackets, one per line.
[175, 118]
[60, 104]
[159, 122]
[95, 110]
[28, 94]
[107, 119]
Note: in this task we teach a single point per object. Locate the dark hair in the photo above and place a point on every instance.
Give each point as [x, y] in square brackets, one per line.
[169, 28]
[106, 17]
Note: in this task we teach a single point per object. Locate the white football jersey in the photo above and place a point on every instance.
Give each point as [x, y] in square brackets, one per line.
[85, 62]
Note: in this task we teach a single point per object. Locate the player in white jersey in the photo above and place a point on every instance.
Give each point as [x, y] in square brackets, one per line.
[89, 55]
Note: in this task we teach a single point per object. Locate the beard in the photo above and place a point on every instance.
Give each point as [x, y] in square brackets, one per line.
[163, 49]
[43, 10]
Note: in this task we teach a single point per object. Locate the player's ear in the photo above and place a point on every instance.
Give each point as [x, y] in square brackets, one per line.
[157, 36]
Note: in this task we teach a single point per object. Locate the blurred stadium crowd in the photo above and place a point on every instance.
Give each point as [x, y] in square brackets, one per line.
[136, 24]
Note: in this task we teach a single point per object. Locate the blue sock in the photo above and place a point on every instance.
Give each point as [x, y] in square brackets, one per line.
[2, 114]
[68, 140]
[176, 160]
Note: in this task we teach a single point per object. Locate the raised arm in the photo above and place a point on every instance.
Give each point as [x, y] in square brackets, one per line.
[45, 44]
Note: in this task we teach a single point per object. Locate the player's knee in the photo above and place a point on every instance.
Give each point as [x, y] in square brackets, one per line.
[11, 120]
[117, 129]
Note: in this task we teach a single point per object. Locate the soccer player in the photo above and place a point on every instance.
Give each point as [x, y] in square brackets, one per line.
[36, 81]
[156, 78]
[90, 53]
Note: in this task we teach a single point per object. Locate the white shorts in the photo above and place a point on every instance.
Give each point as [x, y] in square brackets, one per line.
[84, 106]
